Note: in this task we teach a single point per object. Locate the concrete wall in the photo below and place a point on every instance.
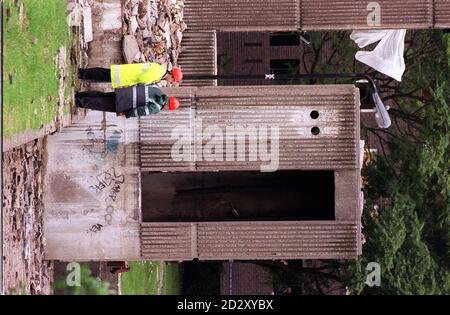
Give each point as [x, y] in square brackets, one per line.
[92, 190]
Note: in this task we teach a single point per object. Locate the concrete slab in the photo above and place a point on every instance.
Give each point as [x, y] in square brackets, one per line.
[92, 190]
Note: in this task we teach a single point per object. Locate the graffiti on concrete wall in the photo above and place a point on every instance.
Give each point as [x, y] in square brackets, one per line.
[95, 228]
[99, 146]
[108, 185]
[109, 181]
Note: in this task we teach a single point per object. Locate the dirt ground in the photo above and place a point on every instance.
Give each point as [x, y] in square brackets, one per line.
[25, 270]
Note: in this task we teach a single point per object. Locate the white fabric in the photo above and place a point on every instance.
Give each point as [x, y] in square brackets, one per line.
[387, 57]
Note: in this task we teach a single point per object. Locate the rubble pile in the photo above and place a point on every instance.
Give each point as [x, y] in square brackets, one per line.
[25, 269]
[156, 26]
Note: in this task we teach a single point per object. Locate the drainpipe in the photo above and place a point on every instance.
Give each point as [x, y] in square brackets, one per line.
[381, 114]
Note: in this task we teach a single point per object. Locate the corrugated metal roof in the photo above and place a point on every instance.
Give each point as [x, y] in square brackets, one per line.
[167, 241]
[352, 14]
[442, 13]
[281, 240]
[287, 107]
[233, 15]
[290, 15]
[250, 240]
[199, 56]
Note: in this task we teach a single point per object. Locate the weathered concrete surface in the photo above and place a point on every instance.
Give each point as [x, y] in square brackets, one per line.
[92, 190]
[106, 47]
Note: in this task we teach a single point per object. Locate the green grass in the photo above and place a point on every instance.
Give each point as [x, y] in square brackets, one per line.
[142, 279]
[172, 279]
[30, 76]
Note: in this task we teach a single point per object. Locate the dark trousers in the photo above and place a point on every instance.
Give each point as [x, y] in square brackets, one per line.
[105, 102]
[95, 74]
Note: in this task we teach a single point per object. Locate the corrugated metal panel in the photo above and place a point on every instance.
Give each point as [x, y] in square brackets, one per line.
[238, 15]
[286, 107]
[156, 136]
[277, 240]
[442, 13]
[352, 14]
[168, 241]
[250, 240]
[198, 56]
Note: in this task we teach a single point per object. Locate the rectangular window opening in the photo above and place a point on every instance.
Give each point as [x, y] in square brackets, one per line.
[284, 39]
[284, 66]
[238, 196]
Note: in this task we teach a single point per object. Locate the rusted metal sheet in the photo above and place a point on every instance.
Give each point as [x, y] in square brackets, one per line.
[168, 241]
[352, 14]
[286, 109]
[91, 191]
[442, 13]
[238, 15]
[199, 56]
[250, 240]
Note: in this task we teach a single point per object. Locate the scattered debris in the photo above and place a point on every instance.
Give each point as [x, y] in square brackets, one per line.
[79, 18]
[25, 269]
[157, 27]
[62, 66]
[130, 48]
[87, 24]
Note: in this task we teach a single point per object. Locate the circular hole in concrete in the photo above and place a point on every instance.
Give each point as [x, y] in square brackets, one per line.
[315, 130]
[314, 114]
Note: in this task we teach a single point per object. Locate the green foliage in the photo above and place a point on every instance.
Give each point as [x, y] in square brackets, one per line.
[409, 238]
[89, 285]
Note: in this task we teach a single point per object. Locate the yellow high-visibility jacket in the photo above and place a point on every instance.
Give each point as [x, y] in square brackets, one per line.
[136, 73]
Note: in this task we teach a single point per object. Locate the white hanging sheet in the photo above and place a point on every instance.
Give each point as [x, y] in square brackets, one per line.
[387, 57]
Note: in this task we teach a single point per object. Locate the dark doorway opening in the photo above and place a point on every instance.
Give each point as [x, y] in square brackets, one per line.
[238, 196]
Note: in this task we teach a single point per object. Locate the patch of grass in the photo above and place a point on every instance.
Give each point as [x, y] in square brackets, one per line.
[142, 279]
[33, 34]
[172, 279]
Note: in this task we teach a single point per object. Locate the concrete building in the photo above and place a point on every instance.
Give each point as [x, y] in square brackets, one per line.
[115, 192]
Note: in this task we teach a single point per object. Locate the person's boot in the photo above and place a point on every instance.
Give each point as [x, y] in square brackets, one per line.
[81, 74]
[78, 102]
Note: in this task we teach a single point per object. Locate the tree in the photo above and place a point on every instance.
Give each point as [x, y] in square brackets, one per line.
[406, 219]
[406, 216]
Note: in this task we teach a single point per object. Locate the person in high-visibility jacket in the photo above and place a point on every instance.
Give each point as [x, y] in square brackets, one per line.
[138, 100]
[126, 75]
